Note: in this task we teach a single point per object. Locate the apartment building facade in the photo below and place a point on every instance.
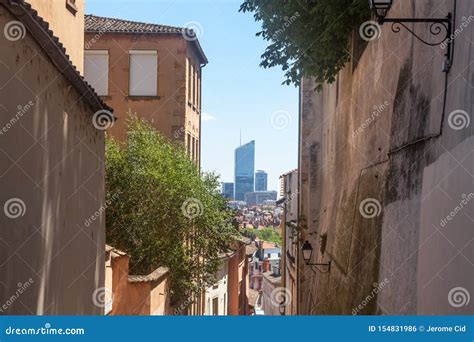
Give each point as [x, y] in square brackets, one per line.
[149, 70]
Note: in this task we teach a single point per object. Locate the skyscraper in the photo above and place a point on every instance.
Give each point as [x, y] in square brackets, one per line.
[228, 190]
[261, 180]
[244, 170]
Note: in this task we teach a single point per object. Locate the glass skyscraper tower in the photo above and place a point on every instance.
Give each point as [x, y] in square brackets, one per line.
[244, 170]
[261, 181]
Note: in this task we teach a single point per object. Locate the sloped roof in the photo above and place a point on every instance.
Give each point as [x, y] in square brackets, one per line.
[94, 23]
[54, 49]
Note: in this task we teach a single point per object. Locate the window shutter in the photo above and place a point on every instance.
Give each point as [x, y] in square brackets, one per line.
[143, 73]
[96, 70]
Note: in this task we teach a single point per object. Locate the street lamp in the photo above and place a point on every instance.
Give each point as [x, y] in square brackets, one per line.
[437, 26]
[380, 7]
[281, 307]
[307, 251]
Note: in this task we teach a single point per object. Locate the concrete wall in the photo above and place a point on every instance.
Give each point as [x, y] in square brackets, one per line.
[383, 134]
[51, 159]
[68, 27]
[171, 112]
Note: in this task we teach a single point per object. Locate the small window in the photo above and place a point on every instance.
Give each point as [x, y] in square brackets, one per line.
[143, 73]
[96, 70]
[71, 6]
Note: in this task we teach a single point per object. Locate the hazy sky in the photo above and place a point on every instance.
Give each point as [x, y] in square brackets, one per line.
[236, 92]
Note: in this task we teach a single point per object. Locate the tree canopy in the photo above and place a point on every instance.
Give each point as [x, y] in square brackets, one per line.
[307, 37]
[163, 212]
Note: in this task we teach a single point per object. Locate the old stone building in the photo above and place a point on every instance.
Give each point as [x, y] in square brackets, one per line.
[386, 173]
[151, 70]
[51, 164]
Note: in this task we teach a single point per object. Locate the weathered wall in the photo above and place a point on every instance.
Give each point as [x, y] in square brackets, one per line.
[68, 27]
[289, 251]
[51, 158]
[381, 134]
[135, 295]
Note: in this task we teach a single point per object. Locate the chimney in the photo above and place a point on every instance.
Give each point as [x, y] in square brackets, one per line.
[266, 265]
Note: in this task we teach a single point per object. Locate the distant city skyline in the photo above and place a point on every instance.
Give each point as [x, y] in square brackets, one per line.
[237, 94]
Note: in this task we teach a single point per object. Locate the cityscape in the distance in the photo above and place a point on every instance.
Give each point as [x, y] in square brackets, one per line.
[249, 186]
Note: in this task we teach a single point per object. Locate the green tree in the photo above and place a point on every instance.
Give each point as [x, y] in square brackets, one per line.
[307, 37]
[163, 212]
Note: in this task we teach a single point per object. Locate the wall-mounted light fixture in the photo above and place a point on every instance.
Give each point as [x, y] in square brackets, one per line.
[307, 251]
[282, 307]
[437, 27]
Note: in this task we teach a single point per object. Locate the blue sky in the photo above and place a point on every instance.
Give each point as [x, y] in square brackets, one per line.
[236, 92]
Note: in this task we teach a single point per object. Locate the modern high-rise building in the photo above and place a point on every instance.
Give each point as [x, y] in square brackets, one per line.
[261, 180]
[244, 170]
[228, 190]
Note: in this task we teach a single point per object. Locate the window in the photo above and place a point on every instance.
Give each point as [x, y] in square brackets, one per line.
[71, 6]
[143, 73]
[215, 306]
[188, 65]
[188, 144]
[193, 149]
[96, 70]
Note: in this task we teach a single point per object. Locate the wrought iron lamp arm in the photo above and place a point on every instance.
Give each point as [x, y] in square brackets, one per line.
[436, 28]
[315, 265]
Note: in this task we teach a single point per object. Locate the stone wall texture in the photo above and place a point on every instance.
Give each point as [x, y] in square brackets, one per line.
[391, 134]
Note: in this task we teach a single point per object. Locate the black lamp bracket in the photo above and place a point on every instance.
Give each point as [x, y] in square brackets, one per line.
[441, 28]
[315, 265]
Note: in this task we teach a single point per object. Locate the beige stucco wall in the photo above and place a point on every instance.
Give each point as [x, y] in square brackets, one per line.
[51, 158]
[69, 28]
[408, 158]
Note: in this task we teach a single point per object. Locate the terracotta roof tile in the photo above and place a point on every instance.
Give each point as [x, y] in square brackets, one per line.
[94, 23]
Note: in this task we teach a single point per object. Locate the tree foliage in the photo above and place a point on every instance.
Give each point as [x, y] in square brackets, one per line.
[307, 37]
[158, 203]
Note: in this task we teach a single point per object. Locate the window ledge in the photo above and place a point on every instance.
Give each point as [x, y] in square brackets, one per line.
[143, 97]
